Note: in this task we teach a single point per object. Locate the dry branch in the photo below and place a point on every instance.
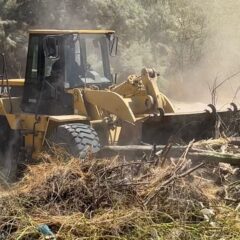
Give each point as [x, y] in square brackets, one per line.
[79, 198]
[235, 141]
[170, 180]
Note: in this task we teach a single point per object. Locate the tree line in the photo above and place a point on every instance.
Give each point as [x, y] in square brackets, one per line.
[165, 34]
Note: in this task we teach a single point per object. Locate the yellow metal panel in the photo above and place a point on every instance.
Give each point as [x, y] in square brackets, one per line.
[13, 82]
[2, 109]
[27, 121]
[111, 102]
[13, 105]
[68, 118]
[132, 87]
[5, 105]
[33, 128]
[79, 105]
[57, 31]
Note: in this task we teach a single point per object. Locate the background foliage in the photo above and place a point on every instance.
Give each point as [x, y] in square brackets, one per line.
[165, 34]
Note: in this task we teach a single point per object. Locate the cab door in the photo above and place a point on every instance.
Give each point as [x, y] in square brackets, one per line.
[43, 91]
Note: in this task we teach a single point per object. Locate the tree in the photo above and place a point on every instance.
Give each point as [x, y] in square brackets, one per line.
[165, 34]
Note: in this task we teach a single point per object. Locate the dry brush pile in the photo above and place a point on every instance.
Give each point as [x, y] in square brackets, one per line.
[118, 199]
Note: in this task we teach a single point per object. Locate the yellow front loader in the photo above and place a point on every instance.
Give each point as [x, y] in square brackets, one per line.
[69, 98]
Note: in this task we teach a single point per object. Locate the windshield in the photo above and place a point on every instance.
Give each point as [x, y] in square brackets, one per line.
[87, 60]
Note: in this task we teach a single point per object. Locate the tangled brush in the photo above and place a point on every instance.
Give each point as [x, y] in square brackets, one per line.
[107, 199]
[98, 189]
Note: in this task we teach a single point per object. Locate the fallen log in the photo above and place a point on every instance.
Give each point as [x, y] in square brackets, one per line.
[215, 157]
[194, 154]
[142, 148]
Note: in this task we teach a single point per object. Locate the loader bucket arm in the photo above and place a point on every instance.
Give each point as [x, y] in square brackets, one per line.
[145, 97]
[110, 102]
[149, 79]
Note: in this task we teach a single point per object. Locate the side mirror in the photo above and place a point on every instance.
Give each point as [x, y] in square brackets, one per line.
[113, 46]
[51, 47]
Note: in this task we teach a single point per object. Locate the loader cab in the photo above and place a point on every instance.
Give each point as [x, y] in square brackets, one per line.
[62, 60]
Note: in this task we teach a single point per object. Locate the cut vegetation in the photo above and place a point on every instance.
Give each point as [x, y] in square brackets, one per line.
[145, 198]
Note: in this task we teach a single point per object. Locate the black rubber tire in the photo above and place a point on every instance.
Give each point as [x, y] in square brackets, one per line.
[77, 138]
[9, 151]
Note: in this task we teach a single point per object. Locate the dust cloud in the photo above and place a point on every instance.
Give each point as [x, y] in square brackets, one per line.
[220, 61]
[220, 53]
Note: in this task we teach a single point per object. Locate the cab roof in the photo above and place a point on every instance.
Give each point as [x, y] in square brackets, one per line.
[56, 31]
